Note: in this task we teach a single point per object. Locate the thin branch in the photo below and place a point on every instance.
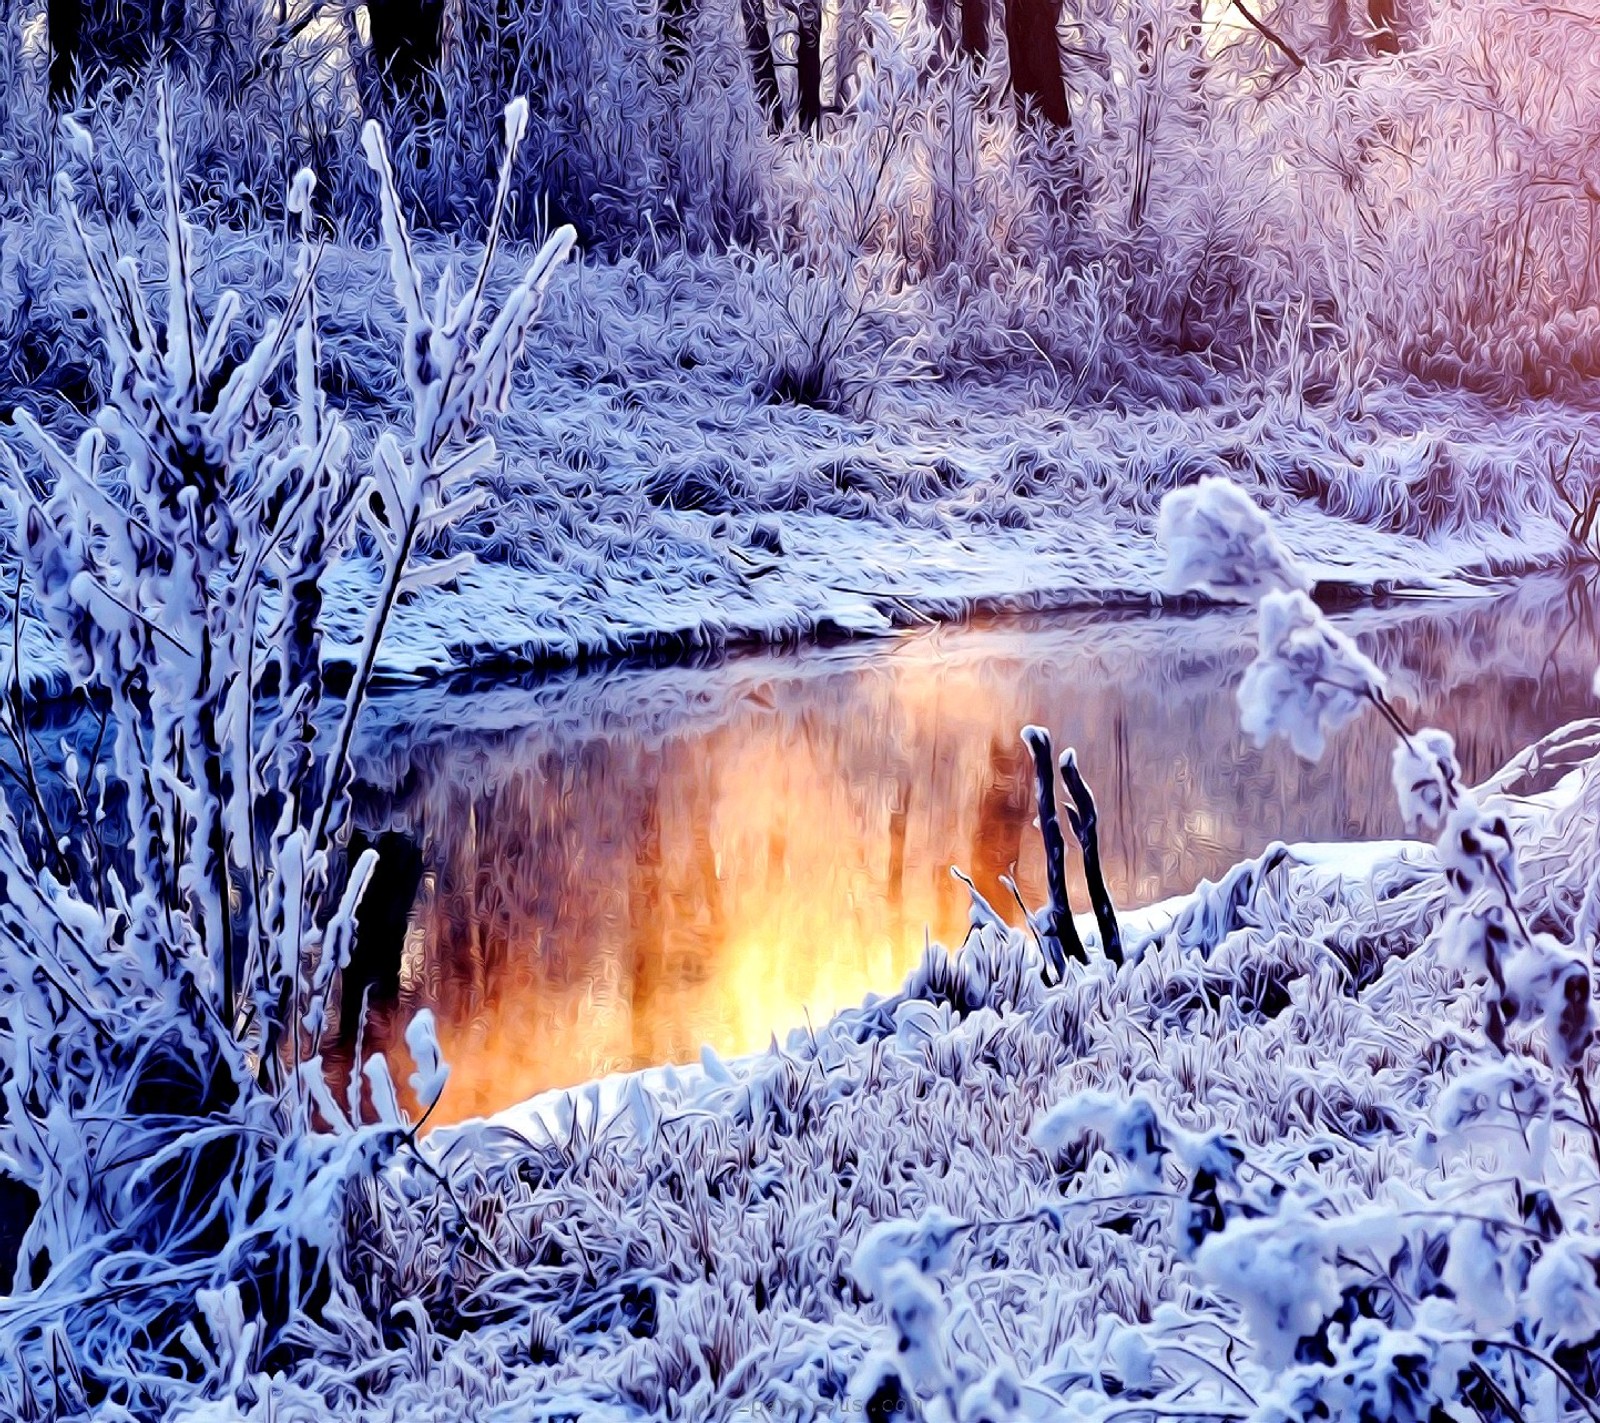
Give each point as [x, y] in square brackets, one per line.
[1266, 31]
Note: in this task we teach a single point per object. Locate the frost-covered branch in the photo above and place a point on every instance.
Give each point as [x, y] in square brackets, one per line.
[1310, 679]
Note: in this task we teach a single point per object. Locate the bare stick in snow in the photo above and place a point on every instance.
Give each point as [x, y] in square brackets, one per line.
[1059, 933]
[1084, 818]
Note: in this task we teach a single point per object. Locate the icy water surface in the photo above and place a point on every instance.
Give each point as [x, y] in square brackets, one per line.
[610, 870]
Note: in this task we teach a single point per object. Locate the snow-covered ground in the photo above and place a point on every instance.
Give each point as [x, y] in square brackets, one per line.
[684, 580]
[649, 495]
[1205, 1185]
[1320, 1148]
[863, 578]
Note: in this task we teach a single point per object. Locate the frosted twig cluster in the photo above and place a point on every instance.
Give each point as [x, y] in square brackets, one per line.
[167, 958]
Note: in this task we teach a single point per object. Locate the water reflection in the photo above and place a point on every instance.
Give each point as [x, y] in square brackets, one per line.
[616, 869]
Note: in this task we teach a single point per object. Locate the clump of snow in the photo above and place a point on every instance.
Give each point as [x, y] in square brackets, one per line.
[433, 1071]
[1279, 1270]
[1426, 774]
[1308, 680]
[1218, 541]
[1131, 1130]
[1564, 1290]
[995, 1398]
[916, 1311]
[1550, 984]
[1478, 1269]
[924, 1243]
[1478, 936]
[1475, 850]
[1505, 1103]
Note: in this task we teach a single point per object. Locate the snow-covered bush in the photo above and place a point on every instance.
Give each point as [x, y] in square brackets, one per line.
[167, 958]
[849, 318]
[1309, 679]
[1216, 212]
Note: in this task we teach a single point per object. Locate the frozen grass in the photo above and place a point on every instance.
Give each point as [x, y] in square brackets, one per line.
[651, 494]
[1303, 1156]
[926, 358]
[923, 322]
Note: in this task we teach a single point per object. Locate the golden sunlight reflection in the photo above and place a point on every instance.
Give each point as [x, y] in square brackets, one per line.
[630, 865]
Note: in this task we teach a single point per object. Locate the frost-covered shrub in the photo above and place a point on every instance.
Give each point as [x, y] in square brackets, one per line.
[1308, 680]
[168, 955]
[850, 314]
[1425, 775]
[1217, 213]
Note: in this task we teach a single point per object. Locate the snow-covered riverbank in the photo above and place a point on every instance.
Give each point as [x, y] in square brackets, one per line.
[687, 515]
[650, 496]
[835, 575]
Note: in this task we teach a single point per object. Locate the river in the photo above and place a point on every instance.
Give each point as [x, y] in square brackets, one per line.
[605, 870]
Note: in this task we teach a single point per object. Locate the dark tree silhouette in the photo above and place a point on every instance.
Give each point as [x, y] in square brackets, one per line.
[96, 37]
[1358, 28]
[808, 63]
[374, 967]
[975, 27]
[1385, 37]
[763, 69]
[675, 18]
[967, 21]
[1035, 53]
[65, 21]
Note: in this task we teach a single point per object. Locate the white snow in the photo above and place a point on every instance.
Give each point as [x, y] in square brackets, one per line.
[1219, 541]
[1322, 1147]
[1309, 678]
[1425, 772]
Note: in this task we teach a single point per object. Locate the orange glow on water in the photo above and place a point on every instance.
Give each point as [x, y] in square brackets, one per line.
[613, 893]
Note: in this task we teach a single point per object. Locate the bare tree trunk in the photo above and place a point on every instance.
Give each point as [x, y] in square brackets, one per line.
[1035, 53]
[1195, 38]
[763, 71]
[1385, 38]
[975, 27]
[64, 19]
[1084, 817]
[675, 17]
[374, 965]
[407, 45]
[808, 64]
[1144, 46]
[363, 67]
[1342, 42]
[407, 40]
[1058, 934]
